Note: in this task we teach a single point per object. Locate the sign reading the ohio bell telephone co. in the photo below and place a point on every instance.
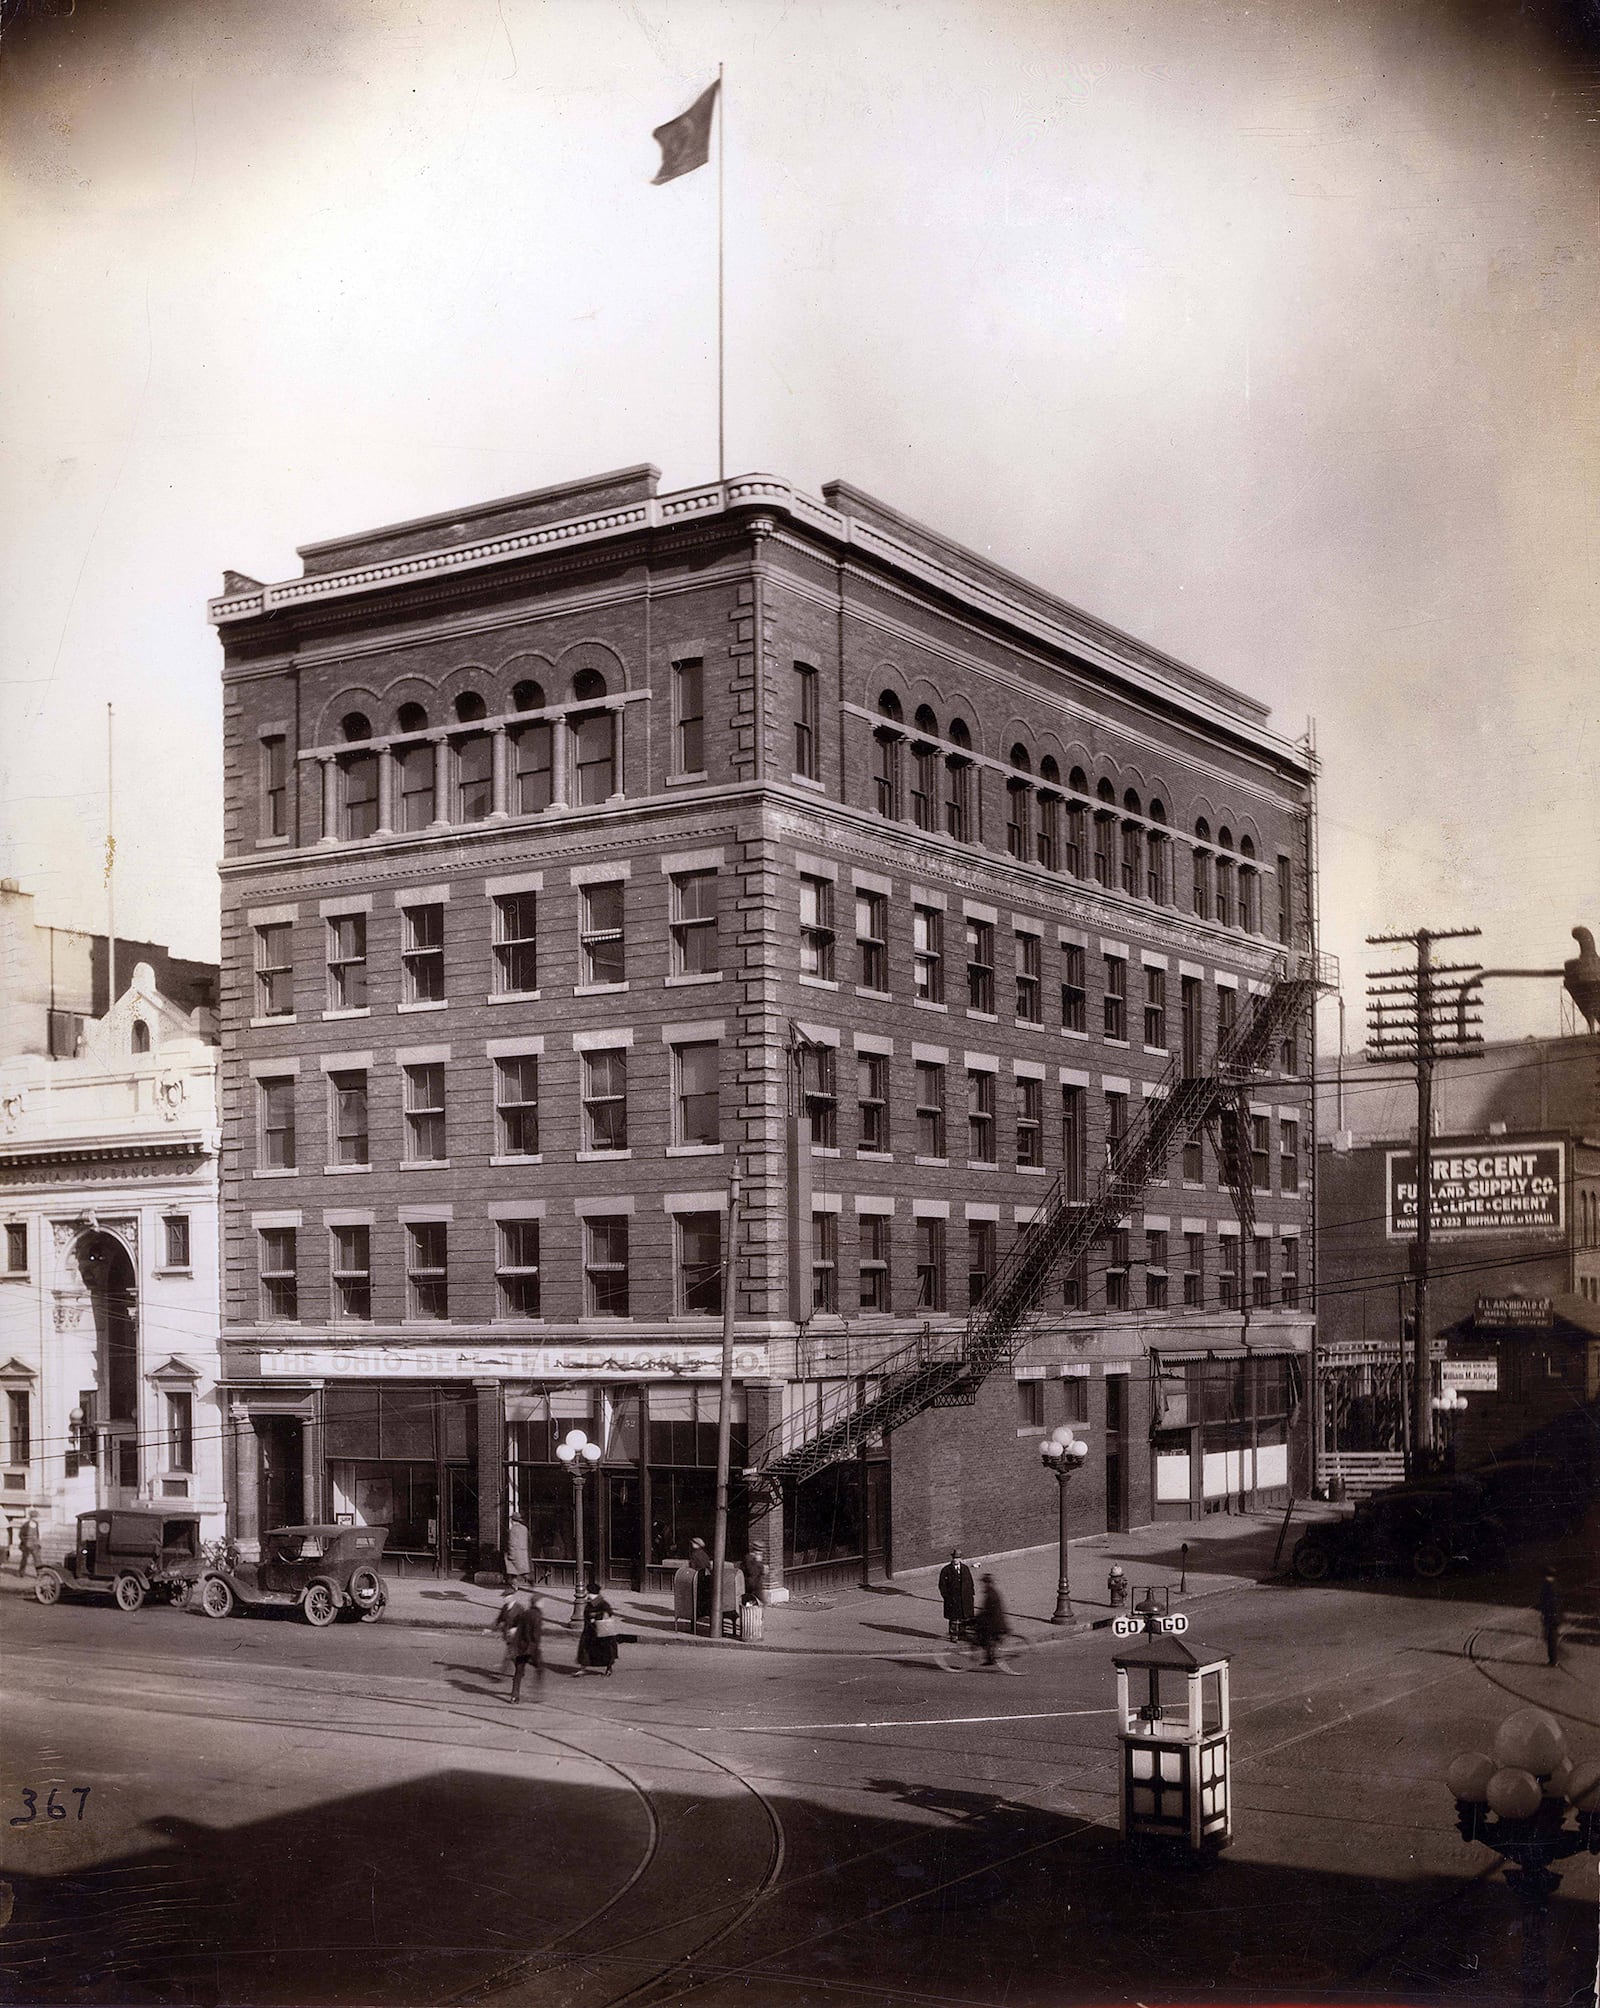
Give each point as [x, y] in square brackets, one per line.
[1494, 1188]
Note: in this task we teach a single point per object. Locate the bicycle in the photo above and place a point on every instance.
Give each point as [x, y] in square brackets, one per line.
[967, 1654]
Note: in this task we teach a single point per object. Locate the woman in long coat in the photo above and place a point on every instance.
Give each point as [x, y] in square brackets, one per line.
[595, 1654]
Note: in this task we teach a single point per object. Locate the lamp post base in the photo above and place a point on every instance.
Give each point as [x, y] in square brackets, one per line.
[1062, 1614]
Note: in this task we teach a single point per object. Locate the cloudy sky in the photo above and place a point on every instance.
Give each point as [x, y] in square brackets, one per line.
[1265, 331]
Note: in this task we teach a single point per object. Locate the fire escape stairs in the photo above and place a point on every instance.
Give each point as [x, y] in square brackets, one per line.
[945, 1370]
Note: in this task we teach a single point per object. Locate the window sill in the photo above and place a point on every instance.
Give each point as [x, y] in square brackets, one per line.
[694, 1150]
[429, 1004]
[422, 1324]
[1157, 1052]
[819, 983]
[878, 996]
[1030, 1429]
[273, 1018]
[691, 982]
[531, 1157]
[1029, 1024]
[186, 1270]
[277, 1171]
[602, 1156]
[1030, 1171]
[1121, 1044]
[983, 1164]
[937, 1163]
[824, 1150]
[344, 1170]
[1068, 1033]
[607, 1322]
[274, 843]
[423, 1164]
[876, 1156]
[809, 781]
[350, 1011]
[689, 780]
[512, 997]
[927, 1004]
[15, 1276]
[983, 1017]
[597, 989]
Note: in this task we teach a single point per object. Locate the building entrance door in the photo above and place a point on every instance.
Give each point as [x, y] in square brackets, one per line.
[1116, 1463]
[621, 1548]
[461, 1519]
[281, 1466]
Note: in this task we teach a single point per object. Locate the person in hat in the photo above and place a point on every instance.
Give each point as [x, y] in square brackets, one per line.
[523, 1630]
[957, 1593]
[700, 1562]
[992, 1624]
[28, 1545]
[517, 1598]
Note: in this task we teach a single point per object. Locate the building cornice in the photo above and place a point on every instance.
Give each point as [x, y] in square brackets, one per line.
[100, 1150]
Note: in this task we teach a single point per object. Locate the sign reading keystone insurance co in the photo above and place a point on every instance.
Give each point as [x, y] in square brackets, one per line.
[1495, 1188]
[644, 1362]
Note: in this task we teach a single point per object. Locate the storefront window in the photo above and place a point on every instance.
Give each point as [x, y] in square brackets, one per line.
[389, 1452]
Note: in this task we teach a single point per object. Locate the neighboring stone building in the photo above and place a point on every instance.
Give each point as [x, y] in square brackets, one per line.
[582, 842]
[108, 1273]
[1515, 1265]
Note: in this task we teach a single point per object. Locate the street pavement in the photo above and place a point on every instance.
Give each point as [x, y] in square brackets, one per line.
[279, 1815]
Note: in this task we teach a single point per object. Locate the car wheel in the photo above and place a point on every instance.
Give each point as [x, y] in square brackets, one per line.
[371, 1614]
[1430, 1559]
[365, 1587]
[128, 1591]
[216, 1598]
[1312, 1562]
[48, 1588]
[321, 1604]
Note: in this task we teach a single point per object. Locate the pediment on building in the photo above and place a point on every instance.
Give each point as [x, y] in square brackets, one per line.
[14, 1370]
[175, 1369]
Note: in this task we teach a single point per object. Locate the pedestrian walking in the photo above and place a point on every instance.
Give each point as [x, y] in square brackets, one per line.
[957, 1594]
[28, 1545]
[597, 1642]
[524, 1629]
[1550, 1618]
[992, 1623]
[516, 1599]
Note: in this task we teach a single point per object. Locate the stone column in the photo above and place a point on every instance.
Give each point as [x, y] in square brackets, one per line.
[491, 1480]
[559, 755]
[385, 791]
[500, 782]
[315, 1506]
[441, 785]
[245, 1490]
[330, 801]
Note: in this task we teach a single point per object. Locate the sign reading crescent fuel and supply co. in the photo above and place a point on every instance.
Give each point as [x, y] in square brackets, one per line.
[1493, 1188]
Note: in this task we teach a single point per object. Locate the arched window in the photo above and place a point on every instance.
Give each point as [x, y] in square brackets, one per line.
[1019, 806]
[1225, 877]
[411, 718]
[886, 744]
[1047, 833]
[469, 705]
[141, 1036]
[924, 771]
[1202, 869]
[958, 785]
[1249, 887]
[587, 685]
[358, 779]
[1158, 856]
[527, 695]
[1105, 823]
[889, 706]
[354, 726]
[1132, 847]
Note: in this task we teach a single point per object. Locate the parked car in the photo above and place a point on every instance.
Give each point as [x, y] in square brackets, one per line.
[128, 1554]
[320, 1571]
[1536, 1498]
[1424, 1526]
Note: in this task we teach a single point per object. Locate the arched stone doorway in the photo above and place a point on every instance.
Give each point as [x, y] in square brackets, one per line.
[108, 1275]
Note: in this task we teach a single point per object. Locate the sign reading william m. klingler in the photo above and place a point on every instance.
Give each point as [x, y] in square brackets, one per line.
[1497, 1187]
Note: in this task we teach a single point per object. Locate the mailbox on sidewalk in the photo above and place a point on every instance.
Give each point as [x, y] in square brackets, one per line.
[1172, 1720]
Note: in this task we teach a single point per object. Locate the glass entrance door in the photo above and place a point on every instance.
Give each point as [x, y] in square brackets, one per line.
[281, 1470]
[461, 1519]
[622, 1528]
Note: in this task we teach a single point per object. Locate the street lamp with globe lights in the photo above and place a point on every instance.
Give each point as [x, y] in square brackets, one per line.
[1062, 1453]
[580, 1456]
[1516, 1801]
[1449, 1407]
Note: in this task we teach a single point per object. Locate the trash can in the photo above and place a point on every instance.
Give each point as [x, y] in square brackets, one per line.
[683, 1587]
[751, 1617]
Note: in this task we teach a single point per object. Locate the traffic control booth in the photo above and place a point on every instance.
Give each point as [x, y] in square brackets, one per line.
[1172, 1720]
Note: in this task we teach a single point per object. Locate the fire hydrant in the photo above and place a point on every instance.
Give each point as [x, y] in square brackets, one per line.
[1117, 1586]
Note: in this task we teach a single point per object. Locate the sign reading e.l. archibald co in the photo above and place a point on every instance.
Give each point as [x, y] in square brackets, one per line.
[1494, 1188]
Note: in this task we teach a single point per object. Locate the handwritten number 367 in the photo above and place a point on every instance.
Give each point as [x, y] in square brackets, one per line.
[53, 1810]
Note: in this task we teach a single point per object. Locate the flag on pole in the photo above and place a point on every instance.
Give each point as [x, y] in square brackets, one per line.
[686, 140]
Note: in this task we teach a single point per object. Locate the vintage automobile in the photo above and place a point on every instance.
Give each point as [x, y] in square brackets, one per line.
[319, 1570]
[1426, 1527]
[1536, 1498]
[126, 1553]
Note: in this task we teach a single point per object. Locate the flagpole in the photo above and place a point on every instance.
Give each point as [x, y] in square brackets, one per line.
[722, 120]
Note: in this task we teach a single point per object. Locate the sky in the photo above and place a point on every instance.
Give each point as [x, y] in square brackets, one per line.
[1267, 332]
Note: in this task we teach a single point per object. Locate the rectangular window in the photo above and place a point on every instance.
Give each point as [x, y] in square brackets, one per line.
[958, 799]
[275, 785]
[1288, 1155]
[1047, 836]
[1227, 1011]
[1132, 860]
[1289, 1272]
[1201, 896]
[694, 924]
[1074, 1143]
[930, 1237]
[1019, 813]
[1194, 1160]
[474, 774]
[1228, 1272]
[695, 1093]
[16, 1248]
[424, 1098]
[1116, 1119]
[980, 1116]
[347, 962]
[275, 1104]
[180, 1432]
[1224, 890]
[930, 1109]
[1285, 901]
[348, 1091]
[275, 970]
[699, 1264]
[605, 1099]
[1030, 979]
[1155, 1273]
[872, 939]
[872, 1100]
[1261, 1273]
[19, 1420]
[1104, 825]
[1261, 1153]
[1030, 1121]
[605, 1265]
[350, 1258]
[824, 1261]
[428, 1269]
[275, 1266]
[175, 1241]
[415, 770]
[924, 787]
[980, 966]
[806, 719]
[1155, 1008]
[886, 775]
[1155, 867]
[820, 1080]
[1075, 853]
[1194, 1272]
[516, 948]
[1289, 1050]
[516, 1106]
[601, 938]
[1075, 1286]
[532, 769]
[1190, 1008]
[516, 1274]
[689, 716]
[422, 953]
[1117, 1261]
[1074, 988]
[1030, 1404]
[1075, 1398]
[927, 953]
[874, 1229]
[594, 756]
[358, 795]
[1116, 998]
[980, 1260]
[816, 927]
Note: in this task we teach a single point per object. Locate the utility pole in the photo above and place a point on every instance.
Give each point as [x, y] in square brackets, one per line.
[1423, 1014]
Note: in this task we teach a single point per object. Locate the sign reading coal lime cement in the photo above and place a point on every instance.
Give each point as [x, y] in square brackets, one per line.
[1498, 1188]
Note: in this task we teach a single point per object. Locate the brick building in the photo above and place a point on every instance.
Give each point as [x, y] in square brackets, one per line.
[583, 842]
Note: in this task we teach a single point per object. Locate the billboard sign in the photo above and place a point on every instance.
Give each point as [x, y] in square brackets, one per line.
[1471, 1376]
[1514, 1314]
[1494, 1188]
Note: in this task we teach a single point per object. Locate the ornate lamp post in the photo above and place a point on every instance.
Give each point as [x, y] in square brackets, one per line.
[1448, 1407]
[1516, 1802]
[580, 1456]
[1062, 1453]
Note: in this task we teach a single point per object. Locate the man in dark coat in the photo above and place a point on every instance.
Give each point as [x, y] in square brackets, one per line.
[523, 1627]
[1550, 1617]
[956, 1593]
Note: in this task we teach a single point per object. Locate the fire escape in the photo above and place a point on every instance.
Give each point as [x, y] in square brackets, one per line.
[946, 1370]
